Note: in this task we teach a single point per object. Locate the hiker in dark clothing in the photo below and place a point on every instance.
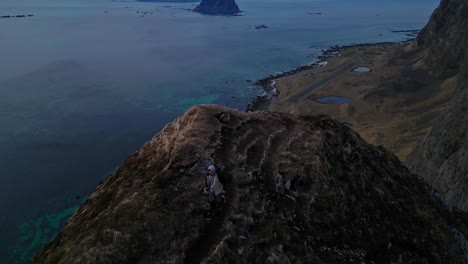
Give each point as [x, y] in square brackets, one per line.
[214, 188]
[291, 185]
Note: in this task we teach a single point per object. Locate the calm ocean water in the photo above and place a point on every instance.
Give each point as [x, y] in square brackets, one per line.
[84, 83]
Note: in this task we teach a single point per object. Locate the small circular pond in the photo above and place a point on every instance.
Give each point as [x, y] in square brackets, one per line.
[333, 100]
[361, 69]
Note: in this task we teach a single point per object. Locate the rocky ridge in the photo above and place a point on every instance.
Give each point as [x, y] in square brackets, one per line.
[354, 202]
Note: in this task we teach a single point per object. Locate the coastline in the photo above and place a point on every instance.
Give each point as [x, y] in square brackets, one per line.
[393, 104]
[268, 84]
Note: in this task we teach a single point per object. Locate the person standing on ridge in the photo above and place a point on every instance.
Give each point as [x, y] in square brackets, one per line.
[214, 188]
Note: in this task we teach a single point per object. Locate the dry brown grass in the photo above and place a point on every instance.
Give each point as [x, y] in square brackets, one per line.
[394, 105]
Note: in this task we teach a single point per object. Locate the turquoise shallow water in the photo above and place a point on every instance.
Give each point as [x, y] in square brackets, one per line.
[84, 83]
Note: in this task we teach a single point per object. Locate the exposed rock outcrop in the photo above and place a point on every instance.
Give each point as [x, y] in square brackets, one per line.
[221, 7]
[442, 157]
[354, 202]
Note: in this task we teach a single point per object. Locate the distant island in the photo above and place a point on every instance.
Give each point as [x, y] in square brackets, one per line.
[168, 1]
[218, 7]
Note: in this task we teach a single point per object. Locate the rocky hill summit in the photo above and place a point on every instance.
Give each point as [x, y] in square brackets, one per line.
[442, 157]
[218, 7]
[351, 202]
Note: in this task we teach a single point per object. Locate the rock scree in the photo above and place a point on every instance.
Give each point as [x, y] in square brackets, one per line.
[348, 201]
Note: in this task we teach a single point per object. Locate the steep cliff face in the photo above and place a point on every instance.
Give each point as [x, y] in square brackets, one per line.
[445, 37]
[223, 7]
[442, 157]
[353, 202]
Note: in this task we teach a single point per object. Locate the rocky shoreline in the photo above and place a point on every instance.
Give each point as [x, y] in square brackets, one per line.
[262, 102]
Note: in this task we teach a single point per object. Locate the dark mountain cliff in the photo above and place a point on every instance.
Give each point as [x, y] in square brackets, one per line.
[354, 202]
[445, 37]
[442, 157]
[222, 7]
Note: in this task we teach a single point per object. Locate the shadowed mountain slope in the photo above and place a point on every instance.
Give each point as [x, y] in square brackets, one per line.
[442, 156]
[445, 38]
